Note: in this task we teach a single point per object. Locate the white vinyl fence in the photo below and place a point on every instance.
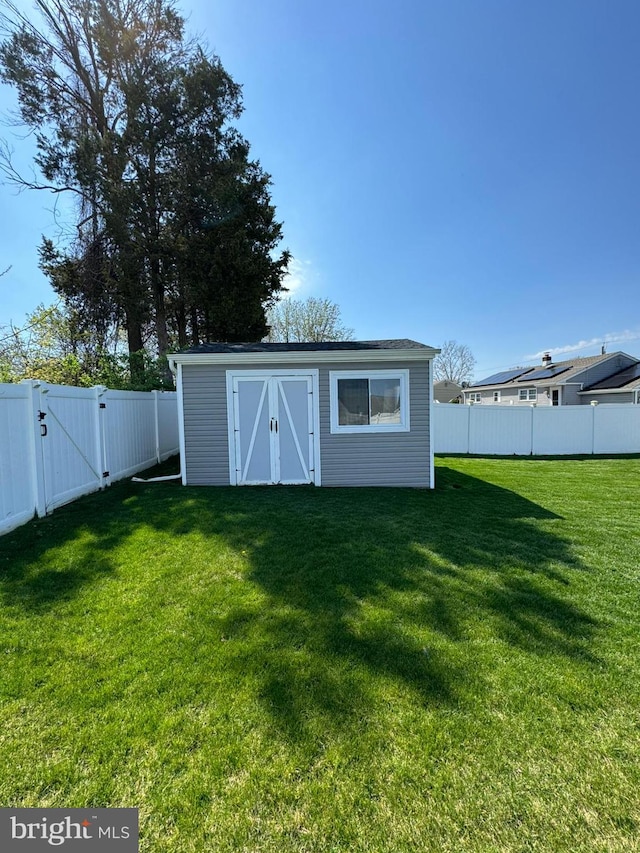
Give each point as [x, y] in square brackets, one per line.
[58, 442]
[541, 431]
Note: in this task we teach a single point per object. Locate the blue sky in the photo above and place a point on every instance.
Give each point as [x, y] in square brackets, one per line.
[459, 169]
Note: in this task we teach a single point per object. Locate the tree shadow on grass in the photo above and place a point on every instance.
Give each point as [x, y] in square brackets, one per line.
[51, 560]
[396, 582]
[352, 594]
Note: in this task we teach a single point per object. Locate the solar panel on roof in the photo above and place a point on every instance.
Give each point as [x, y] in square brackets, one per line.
[504, 376]
[545, 373]
[619, 379]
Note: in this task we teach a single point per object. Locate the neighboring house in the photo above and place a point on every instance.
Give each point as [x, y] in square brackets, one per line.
[575, 381]
[446, 391]
[621, 387]
[340, 413]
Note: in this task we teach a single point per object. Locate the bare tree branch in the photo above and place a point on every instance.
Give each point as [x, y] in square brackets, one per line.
[455, 363]
[15, 178]
[311, 319]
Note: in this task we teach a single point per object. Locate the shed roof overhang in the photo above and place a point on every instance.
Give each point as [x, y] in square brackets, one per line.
[310, 357]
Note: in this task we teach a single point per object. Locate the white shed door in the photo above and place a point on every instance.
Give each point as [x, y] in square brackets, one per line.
[273, 429]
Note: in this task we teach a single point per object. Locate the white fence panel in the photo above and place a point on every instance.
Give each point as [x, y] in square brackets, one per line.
[167, 421]
[538, 430]
[71, 445]
[616, 428]
[140, 429]
[562, 430]
[58, 442]
[500, 430]
[17, 488]
[130, 432]
[451, 427]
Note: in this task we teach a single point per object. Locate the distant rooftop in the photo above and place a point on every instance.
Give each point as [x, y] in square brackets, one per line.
[549, 373]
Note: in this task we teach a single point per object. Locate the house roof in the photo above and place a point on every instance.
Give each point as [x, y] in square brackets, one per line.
[563, 373]
[308, 346]
[627, 379]
[447, 383]
[446, 390]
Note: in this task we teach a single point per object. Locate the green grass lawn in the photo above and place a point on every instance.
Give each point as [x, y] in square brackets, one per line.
[299, 669]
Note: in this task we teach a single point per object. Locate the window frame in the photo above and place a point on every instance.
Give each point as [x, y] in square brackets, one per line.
[341, 429]
[524, 395]
[497, 396]
[475, 397]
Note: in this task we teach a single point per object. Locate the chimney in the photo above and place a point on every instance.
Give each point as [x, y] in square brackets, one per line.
[546, 359]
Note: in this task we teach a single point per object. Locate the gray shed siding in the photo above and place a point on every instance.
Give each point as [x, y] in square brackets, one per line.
[379, 459]
[357, 459]
[204, 395]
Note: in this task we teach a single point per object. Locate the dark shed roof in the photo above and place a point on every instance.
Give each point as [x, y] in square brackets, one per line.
[313, 346]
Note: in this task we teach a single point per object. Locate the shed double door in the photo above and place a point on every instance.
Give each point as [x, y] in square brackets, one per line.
[273, 429]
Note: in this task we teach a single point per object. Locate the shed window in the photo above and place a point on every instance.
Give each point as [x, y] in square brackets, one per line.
[375, 401]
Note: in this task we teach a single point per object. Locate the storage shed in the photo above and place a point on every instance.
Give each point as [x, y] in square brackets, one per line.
[339, 413]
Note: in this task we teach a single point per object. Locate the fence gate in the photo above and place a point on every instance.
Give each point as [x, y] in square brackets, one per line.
[72, 444]
[54, 441]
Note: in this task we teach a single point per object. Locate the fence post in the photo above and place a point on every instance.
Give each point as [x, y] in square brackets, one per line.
[102, 464]
[156, 409]
[533, 425]
[35, 444]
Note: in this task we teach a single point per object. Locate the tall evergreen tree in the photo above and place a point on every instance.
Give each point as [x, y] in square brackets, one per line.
[176, 233]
